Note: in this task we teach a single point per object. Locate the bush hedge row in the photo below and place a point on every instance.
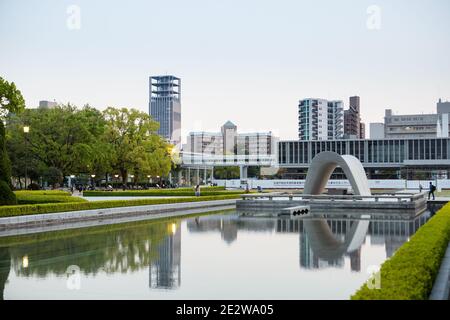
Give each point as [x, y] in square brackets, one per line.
[158, 193]
[19, 210]
[410, 273]
[35, 199]
[42, 193]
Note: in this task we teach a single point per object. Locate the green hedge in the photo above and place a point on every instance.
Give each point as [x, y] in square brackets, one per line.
[19, 210]
[42, 193]
[410, 273]
[35, 199]
[159, 193]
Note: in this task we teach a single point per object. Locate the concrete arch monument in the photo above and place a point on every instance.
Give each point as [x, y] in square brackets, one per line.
[323, 165]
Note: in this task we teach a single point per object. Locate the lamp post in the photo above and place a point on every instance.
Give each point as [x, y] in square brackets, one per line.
[149, 177]
[92, 180]
[117, 178]
[71, 182]
[26, 130]
[132, 179]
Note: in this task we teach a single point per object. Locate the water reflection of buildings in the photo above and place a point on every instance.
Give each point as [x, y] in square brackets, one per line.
[165, 270]
[228, 226]
[390, 232]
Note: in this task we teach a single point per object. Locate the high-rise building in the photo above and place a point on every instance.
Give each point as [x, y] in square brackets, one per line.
[352, 118]
[319, 119]
[165, 106]
[353, 127]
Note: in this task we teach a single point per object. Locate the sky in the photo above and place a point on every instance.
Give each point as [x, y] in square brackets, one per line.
[248, 61]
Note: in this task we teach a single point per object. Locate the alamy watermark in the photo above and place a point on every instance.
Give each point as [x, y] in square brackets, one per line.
[374, 17]
[374, 281]
[73, 21]
[73, 281]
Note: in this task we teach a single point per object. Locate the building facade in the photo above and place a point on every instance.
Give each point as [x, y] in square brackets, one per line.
[431, 156]
[353, 128]
[228, 147]
[443, 107]
[320, 119]
[45, 104]
[165, 106]
[362, 130]
[415, 125]
[377, 130]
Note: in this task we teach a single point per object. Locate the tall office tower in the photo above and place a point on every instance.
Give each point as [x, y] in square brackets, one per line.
[165, 106]
[320, 119]
[352, 119]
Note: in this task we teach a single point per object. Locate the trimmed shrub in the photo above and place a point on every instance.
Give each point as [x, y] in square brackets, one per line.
[7, 197]
[159, 193]
[35, 199]
[18, 210]
[410, 273]
[42, 193]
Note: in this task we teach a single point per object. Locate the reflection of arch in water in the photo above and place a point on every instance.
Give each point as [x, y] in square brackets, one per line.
[325, 245]
[322, 240]
[323, 165]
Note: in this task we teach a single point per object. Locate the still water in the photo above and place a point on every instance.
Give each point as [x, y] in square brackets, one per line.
[217, 256]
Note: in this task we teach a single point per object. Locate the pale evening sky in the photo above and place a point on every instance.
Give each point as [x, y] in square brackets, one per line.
[248, 61]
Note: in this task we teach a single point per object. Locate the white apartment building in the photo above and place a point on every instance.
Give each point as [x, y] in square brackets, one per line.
[320, 119]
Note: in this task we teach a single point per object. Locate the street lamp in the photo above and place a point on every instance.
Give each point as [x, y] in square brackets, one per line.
[92, 180]
[117, 179]
[26, 130]
[149, 177]
[71, 178]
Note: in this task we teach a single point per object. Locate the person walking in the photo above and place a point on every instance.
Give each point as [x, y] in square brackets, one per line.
[197, 190]
[420, 188]
[431, 190]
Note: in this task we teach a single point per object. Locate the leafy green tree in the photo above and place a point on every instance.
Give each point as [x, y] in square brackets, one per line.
[65, 137]
[11, 101]
[135, 145]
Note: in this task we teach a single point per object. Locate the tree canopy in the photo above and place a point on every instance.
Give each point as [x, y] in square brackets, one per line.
[67, 140]
[11, 99]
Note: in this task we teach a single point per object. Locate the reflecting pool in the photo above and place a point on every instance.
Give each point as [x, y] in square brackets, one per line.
[217, 256]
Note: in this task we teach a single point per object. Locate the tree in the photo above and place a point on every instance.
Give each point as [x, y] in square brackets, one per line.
[135, 145]
[11, 100]
[65, 137]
